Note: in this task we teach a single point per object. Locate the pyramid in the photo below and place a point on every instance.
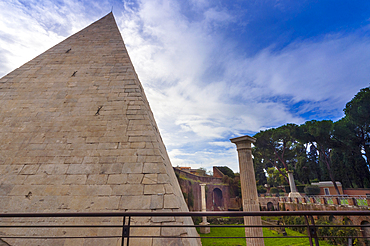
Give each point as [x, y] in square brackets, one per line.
[77, 135]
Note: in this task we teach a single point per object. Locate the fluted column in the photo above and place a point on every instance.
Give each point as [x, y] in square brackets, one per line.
[204, 230]
[203, 198]
[249, 189]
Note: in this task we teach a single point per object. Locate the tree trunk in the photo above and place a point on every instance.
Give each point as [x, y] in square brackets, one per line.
[326, 159]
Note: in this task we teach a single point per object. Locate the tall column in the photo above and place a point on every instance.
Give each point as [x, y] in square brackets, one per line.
[204, 230]
[249, 189]
[293, 189]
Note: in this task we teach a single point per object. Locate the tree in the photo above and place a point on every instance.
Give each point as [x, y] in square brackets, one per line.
[319, 134]
[358, 112]
[264, 151]
[277, 147]
[347, 158]
[275, 178]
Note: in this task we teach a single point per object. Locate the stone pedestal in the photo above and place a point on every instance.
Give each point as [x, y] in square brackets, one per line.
[249, 189]
[293, 188]
[204, 230]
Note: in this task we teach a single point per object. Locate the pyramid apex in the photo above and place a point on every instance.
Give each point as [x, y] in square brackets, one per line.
[78, 133]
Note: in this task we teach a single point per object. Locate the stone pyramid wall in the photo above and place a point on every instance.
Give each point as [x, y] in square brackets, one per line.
[77, 135]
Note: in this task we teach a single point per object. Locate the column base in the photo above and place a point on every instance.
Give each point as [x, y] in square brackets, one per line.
[204, 230]
[294, 194]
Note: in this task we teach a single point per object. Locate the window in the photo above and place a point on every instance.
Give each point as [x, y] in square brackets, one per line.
[326, 190]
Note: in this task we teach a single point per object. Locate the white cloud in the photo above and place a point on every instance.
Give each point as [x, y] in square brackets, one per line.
[202, 91]
[174, 56]
[29, 28]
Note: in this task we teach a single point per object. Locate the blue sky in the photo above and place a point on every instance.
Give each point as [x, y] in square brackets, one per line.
[216, 69]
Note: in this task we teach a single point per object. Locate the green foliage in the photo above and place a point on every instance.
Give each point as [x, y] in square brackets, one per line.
[234, 185]
[185, 195]
[196, 220]
[261, 189]
[274, 190]
[275, 178]
[337, 231]
[311, 190]
[227, 171]
[324, 231]
[201, 171]
[191, 199]
[300, 188]
[240, 232]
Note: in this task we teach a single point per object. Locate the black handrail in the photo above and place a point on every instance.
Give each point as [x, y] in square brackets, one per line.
[127, 225]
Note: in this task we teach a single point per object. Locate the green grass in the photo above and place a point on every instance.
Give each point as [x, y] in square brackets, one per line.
[239, 232]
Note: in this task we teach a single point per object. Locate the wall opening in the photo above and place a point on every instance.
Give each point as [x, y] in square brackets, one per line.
[217, 198]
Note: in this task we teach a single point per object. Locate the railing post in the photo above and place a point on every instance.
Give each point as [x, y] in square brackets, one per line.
[368, 200]
[351, 201]
[126, 231]
[311, 231]
[336, 201]
[323, 200]
[312, 200]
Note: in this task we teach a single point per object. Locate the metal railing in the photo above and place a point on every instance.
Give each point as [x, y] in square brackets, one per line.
[34, 226]
[360, 201]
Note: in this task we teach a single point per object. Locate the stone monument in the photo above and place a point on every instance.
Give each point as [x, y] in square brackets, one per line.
[249, 189]
[77, 135]
[293, 189]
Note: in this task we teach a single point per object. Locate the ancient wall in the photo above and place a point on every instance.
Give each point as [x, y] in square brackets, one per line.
[191, 189]
[356, 192]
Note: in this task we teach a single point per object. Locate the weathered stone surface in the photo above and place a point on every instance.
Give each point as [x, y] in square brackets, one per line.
[128, 189]
[150, 179]
[167, 241]
[163, 219]
[135, 202]
[117, 179]
[156, 201]
[154, 189]
[171, 201]
[77, 135]
[97, 179]
[134, 178]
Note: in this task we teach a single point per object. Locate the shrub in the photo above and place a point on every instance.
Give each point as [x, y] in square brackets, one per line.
[274, 190]
[261, 189]
[287, 188]
[300, 188]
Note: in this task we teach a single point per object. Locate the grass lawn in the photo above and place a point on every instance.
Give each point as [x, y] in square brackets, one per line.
[239, 232]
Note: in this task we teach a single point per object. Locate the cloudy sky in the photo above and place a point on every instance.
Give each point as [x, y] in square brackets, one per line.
[216, 69]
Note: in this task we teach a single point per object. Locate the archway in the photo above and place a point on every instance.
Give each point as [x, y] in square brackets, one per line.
[218, 203]
[270, 206]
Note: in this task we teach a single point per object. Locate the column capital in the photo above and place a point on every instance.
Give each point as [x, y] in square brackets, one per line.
[202, 184]
[243, 142]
